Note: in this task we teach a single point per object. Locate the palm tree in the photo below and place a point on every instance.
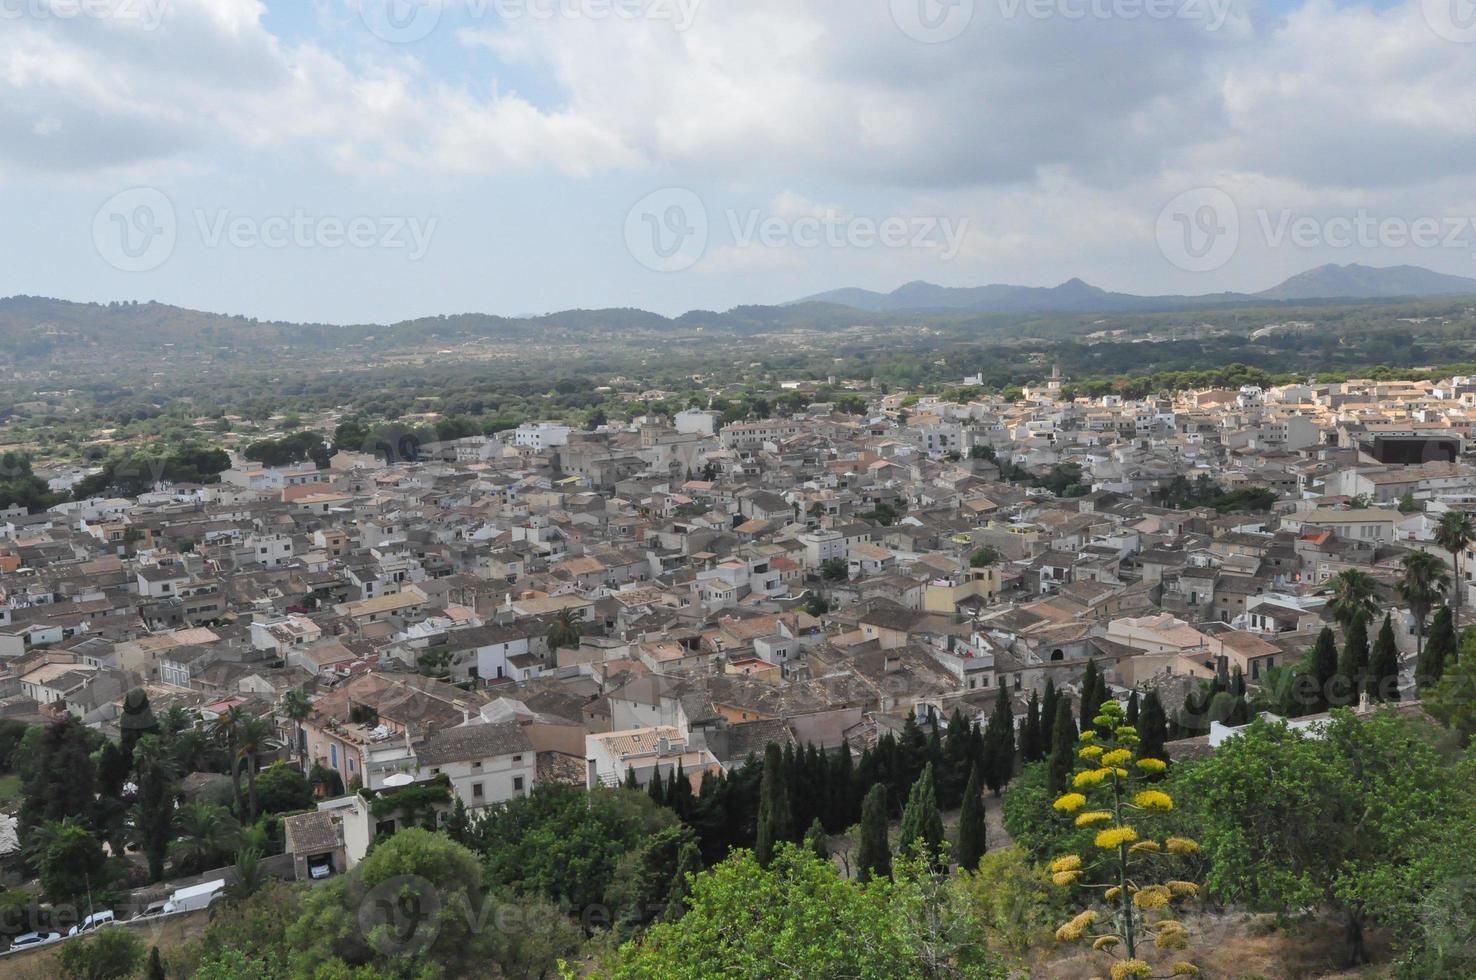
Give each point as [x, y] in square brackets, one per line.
[256, 736]
[1353, 596]
[251, 875]
[565, 631]
[227, 728]
[1420, 586]
[206, 834]
[296, 708]
[1454, 533]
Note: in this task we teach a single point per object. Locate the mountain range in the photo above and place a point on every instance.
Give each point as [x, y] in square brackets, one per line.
[1327, 282]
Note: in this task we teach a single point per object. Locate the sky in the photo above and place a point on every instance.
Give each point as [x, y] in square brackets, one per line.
[376, 160]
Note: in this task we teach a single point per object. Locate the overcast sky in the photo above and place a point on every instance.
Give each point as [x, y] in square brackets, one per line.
[353, 160]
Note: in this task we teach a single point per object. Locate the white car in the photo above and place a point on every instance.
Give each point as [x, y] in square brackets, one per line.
[94, 921]
[33, 939]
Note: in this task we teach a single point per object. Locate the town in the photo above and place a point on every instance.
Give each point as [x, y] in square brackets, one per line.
[416, 634]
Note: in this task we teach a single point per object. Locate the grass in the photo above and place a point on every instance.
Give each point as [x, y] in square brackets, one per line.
[10, 786]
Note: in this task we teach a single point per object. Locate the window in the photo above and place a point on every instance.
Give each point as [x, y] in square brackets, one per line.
[477, 791]
[517, 759]
[477, 766]
[517, 784]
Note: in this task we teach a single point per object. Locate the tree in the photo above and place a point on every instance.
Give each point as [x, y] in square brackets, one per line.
[296, 707]
[1352, 596]
[1422, 580]
[58, 775]
[566, 630]
[817, 841]
[207, 834]
[72, 862]
[153, 812]
[1322, 666]
[1344, 818]
[1383, 665]
[834, 570]
[255, 738]
[1407, 504]
[136, 721]
[1111, 796]
[1450, 700]
[1032, 739]
[1153, 728]
[283, 789]
[1063, 746]
[1455, 532]
[110, 955]
[999, 743]
[922, 821]
[1352, 676]
[1438, 652]
[984, 558]
[251, 876]
[1093, 692]
[774, 823]
[154, 968]
[874, 858]
[226, 729]
[972, 832]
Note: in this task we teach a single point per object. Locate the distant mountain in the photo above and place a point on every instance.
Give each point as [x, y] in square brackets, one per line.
[1328, 282]
[1367, 282]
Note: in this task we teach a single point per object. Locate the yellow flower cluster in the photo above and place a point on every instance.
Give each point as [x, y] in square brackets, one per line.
[1065, 878]
[1115, 837]
[1106, 942]
[1088, 735]
[1183, 889]
[1126, 731]
[1152, 897]
[1128, 969]
[1070, 803]
[1090, 751]
[1185, 970]
[1171, 935]
[1154, 799]
[1072, 930]
[1152, 765]
[1090, 777]
[1092, 817]
[1143, 845]
[1112, 893]
[1070, 862]
[1181, 845]
[1117, 757]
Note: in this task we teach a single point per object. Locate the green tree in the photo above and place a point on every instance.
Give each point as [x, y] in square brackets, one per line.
[999, 743]
[1383, 664]
[1455, 532]
[1352, 676]
[566, 630]
[1422, 580]
[255, 738]
[283, 789]
[817, 841]
[153, 811]
[1321, 666]
[972, 832]
[1093, 692]
[136, 721]
[774, 820]
[154, 968]
[206, 835]
[874, 857]
[1438, 651]
[1352, 596]
[58, 777]
[834, 570]
[296, 707]
[1063, 746]
[109, 955]
[1153, 728]
[984, 558]
[226, 730]
[73, 861]
[1450, 700]
[922, 821]
[1032, 738]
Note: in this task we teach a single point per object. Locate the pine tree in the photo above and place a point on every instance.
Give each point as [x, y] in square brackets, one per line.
[999, 743]
[1322, 667]
[773, 814]
[1032, 745]
[1383, 665]
[1352, 665]
[874, 854]
[922, 821]
[971, 824]
[1063, 747]
[1092, 694]
[1440, 647]
[817, 841]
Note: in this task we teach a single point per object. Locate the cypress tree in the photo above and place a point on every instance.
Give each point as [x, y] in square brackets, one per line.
[656, 788]
[817, 842]
[971, 825]
[999, 743]
[1383, 665]
[1322, 666]
[1353, 664]
[913, 753]
[773, 813]
[59, 782]
[1153, 729]
[874, 855]
[953, 770]
[1091, 698]
[1133, 708]
[136, 721]
[1047, 715]
[1063, 748]
[680, 796]
[1031, 743]
[154, 968]
[630, 778]
[922, 821]
[842, 809]
[1440, 647]
[689, 862]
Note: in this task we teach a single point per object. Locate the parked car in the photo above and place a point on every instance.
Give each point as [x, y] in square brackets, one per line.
[33, 939]
[158, 908]
[94, 921]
